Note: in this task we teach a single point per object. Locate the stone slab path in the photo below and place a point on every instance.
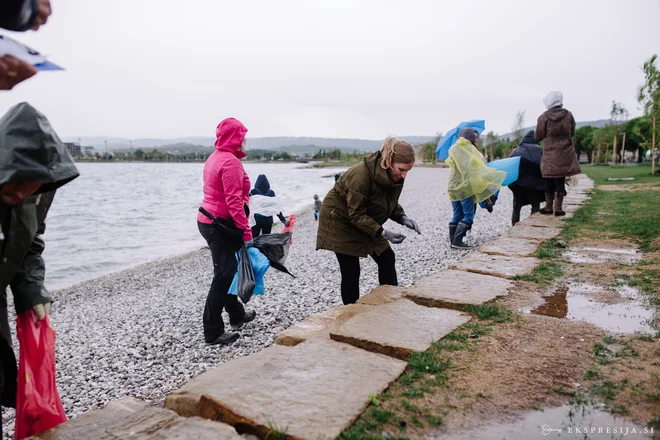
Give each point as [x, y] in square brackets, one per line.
[497, 265]
[453, 289]
[313, 390]
[131, 419]
[398, 329]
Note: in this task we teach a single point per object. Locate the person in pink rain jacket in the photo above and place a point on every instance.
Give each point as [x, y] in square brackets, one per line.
[226, 192]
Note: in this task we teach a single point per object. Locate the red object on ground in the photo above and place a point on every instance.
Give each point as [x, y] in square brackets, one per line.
[292, 221]
[38, 404]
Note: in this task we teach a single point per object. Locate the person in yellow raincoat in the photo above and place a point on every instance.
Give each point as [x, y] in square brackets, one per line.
[470, 182]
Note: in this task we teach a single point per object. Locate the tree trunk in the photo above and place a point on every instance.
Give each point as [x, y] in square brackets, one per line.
[640, 154]
[589, 156]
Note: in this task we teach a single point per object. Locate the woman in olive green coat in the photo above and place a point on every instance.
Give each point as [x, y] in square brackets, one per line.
[354, 211]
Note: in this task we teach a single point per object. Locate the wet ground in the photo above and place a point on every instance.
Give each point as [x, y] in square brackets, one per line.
[587, 254]
[621, 309]
[564, 422]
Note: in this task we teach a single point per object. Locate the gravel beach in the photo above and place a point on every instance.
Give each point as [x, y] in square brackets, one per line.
[138, 332]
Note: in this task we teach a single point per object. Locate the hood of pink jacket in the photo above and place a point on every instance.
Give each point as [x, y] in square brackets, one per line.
[229, 136]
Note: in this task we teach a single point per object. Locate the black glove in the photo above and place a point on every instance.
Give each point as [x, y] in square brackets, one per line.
[394, 237]
[409, 223]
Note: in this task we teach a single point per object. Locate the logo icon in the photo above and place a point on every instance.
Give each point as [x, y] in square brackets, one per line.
[546, 430]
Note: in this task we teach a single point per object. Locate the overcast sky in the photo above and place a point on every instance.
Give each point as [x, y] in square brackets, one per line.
[332, 68]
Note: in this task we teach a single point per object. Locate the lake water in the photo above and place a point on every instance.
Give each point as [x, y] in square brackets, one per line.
[119, 215]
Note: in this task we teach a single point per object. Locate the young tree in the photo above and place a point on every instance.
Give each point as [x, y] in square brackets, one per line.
[649, 97]
[518, 126]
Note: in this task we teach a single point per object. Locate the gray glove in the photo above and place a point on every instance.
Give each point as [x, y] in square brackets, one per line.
[394, 237]
[410, 224]
[249, 243]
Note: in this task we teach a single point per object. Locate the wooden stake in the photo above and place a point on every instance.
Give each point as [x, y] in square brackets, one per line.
[653, 149]
[623, 147]
[614, 151]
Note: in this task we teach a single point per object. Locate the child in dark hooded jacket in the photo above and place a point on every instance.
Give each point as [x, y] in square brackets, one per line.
[264, 224]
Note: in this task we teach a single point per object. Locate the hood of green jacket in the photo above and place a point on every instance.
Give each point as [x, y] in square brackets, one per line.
[377, 172]
[30, 150]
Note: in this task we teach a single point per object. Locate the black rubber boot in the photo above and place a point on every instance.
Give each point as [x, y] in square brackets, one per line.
[547, 209]
[452, 232]
[249, 316]
[461, 230]
[559, 200]
[224, 339]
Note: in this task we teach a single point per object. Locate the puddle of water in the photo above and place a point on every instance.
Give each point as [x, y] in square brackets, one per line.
[564, 422]
[601, 255]
[576, 303]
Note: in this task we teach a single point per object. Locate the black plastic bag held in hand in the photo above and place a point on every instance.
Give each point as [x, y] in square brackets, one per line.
[246, 281]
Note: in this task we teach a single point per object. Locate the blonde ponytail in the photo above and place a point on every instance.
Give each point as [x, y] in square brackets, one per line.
[396, 151]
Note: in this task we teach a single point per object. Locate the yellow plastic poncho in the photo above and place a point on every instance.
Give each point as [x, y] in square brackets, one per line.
[469, 176]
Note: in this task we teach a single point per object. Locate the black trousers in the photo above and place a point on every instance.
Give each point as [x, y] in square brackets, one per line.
[349, 267]
[523, 197]
[555, 185]
[263, 228]
[224, 268]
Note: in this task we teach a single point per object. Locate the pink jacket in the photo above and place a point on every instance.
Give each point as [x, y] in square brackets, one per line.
[226, 184]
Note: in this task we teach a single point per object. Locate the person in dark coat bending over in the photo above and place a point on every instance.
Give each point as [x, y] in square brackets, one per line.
[529, 189]
[355, 210]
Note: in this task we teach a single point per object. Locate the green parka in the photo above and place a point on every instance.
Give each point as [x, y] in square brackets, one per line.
[29, 151]
[355, 209]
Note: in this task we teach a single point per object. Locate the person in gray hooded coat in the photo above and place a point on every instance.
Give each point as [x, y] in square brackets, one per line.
[33, 164]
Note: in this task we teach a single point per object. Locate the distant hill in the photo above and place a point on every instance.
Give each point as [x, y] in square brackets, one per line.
[289, 144]
[294, 145]
[598, 124]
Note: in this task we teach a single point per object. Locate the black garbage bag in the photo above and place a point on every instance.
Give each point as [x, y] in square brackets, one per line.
[276, 248]
[246, 282]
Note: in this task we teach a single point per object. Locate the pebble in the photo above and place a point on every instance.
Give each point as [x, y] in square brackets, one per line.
[138, 332]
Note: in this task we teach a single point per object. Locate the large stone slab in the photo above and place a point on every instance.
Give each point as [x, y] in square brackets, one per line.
[318, 325]
[130, 418]
[532, 232]
[313, 390]
[510, 246]
[453, 289]
[497, 265]
[398, 329]
[542, 221]
[382, 295]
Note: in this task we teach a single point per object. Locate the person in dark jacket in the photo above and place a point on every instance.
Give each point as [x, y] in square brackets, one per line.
[34, 164]
[264, 223]
[317, 207]
[557, 127]
[20, 16]
[529, 189]
[355, 209]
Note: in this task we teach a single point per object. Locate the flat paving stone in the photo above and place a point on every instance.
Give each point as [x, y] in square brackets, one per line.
[542, 221]
[497, 265]
[318, 325]
[382, 295]
[510, 246]
[313, 390]
[533, 232]
[130, 418]
[398, 329]
[453, 289]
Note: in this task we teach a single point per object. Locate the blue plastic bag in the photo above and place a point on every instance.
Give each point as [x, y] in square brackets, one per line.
[510, 166]
[260, 265]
